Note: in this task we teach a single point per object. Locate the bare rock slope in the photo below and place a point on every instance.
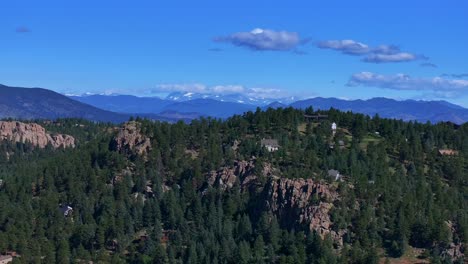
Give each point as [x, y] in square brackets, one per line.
[34, 134]
[295, 201]
[307, 201]
[130, 140]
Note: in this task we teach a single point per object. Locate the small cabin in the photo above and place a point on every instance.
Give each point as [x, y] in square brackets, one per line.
[270, 144]
[66, 210]
[334, 174]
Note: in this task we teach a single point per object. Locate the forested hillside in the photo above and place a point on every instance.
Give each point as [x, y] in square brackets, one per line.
[210, 192]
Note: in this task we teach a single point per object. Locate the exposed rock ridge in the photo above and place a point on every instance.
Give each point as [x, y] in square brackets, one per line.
[307, 201]
[456, 249]
[34, 134]
[295, 201]
[130, 140]
[226, 177]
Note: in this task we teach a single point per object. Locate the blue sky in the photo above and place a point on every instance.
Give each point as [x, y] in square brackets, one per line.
[363, 49]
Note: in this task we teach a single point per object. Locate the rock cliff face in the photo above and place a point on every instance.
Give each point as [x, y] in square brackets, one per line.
[455, 250]
[294, 201]
[225, 178]
[307, 201]
[130, 140]
[34, 134]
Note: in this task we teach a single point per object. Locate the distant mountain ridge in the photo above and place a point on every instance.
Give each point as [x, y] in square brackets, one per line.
[124, 103]
[422, 111]
[37, 103]
[155, 105]
[232, 98]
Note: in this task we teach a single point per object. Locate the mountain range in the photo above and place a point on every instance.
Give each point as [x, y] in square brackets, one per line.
[151, 105]
[231, 97]
[422, 111]
[38, 103]
[224, 106]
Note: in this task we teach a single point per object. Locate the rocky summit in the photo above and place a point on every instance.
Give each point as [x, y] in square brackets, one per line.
[130, 140]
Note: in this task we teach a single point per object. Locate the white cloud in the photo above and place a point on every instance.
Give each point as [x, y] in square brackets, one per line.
[257, 31]
[266, 93]
[263, 39]
[254, 92]
[379, 54]
[198, 88]
[227, 89]
[346, 46]
[437, 85]
[192, 89]
[428, 64]
[387, 49]
[397, 57]
[455, 75]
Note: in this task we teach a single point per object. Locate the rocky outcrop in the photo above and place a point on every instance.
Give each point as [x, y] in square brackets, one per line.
[226, 177]
[455, 250]
[34, 134]
[303, 202]
[130, 140]
[307, 201]
[223, 179]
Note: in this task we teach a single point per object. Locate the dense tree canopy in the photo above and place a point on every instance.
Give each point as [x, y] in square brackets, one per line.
[398, 191]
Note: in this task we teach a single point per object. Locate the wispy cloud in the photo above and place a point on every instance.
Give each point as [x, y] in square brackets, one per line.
[196, 88]
[22, 29]
[428, 64]
[168, 88]
[264, 39]
[379, 54]
[346, 46]
[254, 92]
[224, 89]
[300, 52]
[455, 75]
[406, 82]
[384, 58]
[266, 93]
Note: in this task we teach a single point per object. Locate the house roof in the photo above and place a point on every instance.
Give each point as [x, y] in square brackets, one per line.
[65, 209]
[269, 142]
[448, 152]
[333, 173]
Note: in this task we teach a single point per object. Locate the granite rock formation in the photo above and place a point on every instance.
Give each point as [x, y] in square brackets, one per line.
[34, 134]
[295, 201]
[130, 140]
